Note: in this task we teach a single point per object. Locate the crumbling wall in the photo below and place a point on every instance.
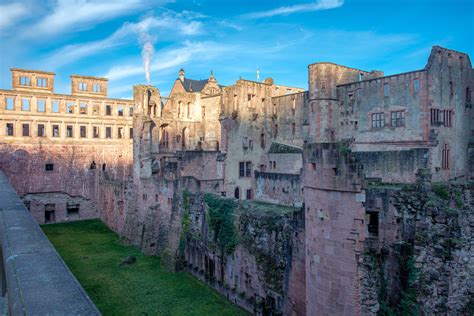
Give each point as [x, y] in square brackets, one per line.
[278, 188]
[421, 259]
[245, 251]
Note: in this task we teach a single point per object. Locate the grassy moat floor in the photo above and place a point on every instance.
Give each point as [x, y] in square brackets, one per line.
[93, 253]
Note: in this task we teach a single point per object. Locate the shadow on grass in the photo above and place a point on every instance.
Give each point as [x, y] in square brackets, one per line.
[93, 253]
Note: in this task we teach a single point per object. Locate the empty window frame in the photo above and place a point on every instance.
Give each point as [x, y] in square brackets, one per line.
[41, 130]
[108, 110]
[378, 120]
[83, 131]
[445, 157]
[108, 132]
[293, 129]
[131, 132]
[82, 86]
[275, 130]
[55, 129]
[249, 194]
[25, 104]
[120, 110]
[26, 129]
[55, 106]
[41, 105]
[416, 86]
[25, 81]
[130, 111]
[49, 167]
[120, 132]
[441, 117]
[397, 118]
[10, 130]
[96, 87]
[262, 140]
[70, 107]
[69, 131]
[41, 82]
[9, 104]
[95, 131]
[386, 89]
[82, 108]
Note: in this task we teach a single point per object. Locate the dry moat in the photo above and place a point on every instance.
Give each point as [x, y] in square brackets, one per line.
[94, 254]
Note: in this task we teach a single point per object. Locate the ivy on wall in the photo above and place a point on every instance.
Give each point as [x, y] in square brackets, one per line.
[221, 222]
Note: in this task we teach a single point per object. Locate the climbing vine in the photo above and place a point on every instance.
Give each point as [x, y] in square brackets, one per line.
[221, 222]
[185, 223]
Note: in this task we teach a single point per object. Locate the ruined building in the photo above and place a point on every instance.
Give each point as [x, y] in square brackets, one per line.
[353, 197]
[54, 145]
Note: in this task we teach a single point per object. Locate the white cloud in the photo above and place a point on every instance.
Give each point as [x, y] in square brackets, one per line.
[306, 7]
[77, 15]
[11, 13]
[129, 32]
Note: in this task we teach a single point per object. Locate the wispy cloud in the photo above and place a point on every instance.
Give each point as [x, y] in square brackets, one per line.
[78, 15]
[305, 7]
[11, 13]
[127, 33]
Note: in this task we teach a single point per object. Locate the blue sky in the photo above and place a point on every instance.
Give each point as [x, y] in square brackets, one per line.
[107, 38]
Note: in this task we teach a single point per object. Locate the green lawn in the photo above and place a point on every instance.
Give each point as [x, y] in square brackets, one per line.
[93, 253]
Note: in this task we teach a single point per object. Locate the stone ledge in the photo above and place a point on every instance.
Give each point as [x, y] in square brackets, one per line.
[37, 279]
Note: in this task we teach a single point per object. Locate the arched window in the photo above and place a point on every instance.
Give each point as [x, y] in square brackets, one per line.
[237, 193]
[165, 136]
[185, 138]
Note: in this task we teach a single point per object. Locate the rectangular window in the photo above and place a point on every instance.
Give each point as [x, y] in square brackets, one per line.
[95, 109]
[9, 129]
[25, 104]
[120, 132]
[249, 194]
[378, 120]
[386, 89]
[49, 167]
[275, 130]
[323, 85]
[9, 104]
[451, 89]
[25, 81]
[108, 132]
[416, 86]
[82, 108]
[41, 105]
[242, 169]
[96, 87]
[248, 168]
[26, 129]
[70, 107]
[82, 86]
[445, 157]
[41, 82]
[55, 106]
[108, 110]
[293, 129]
[130, 112]
[397, 118]
[131, 132]
[69, 131]
[55, 130]
[95, 133]
[120, 110]
[262, 140]
[83, 131]
[40, 130]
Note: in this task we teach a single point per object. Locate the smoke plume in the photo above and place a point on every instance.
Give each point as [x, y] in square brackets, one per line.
[147, 53]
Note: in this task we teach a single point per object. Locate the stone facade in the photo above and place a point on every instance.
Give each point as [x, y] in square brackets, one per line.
[55, 147]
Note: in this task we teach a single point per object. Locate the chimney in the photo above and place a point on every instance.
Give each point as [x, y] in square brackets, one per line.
[181, 74]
